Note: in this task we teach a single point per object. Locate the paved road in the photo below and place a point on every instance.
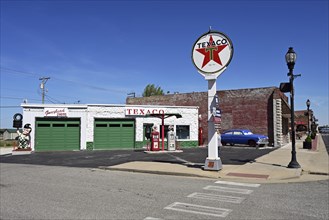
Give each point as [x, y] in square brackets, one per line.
[94, 159]
[57, 192]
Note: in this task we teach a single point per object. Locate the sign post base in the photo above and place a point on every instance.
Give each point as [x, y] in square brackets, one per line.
[213, 164]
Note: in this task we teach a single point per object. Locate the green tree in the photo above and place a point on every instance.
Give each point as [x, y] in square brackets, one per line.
[151, 90]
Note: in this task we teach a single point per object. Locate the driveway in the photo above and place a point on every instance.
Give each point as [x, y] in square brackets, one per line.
[97, 158]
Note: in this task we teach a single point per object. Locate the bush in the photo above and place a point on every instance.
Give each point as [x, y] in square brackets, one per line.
[6, 143]
[308, 139]
[313, 135]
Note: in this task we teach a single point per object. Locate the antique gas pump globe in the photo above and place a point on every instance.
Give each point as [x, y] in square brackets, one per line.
[211, 54]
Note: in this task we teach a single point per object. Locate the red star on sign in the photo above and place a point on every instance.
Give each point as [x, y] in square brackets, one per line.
[211, 52]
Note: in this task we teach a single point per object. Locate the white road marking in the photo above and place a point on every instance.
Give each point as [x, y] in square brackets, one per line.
[151, 218]
[229, 190]
[198, 209]
[238, 184]
[221, 198]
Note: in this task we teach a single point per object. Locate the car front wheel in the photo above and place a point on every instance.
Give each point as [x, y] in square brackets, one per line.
[252, 143]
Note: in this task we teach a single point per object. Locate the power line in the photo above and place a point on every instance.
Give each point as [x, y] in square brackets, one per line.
[19, 98]
[69, 81]
[52, 100]
[1, 106]
[18, 71]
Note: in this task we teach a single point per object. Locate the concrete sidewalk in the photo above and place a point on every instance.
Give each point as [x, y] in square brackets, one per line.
[270, 168]
[6, 150]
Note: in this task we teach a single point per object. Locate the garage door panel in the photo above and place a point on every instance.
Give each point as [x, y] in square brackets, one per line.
[115, 134]
[57, 134]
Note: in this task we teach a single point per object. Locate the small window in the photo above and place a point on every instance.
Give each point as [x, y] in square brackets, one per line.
[183, 131]
[58, 125]
[44, 125]
[72, 125]
[127, 125]
[101, 125]
[114, 125]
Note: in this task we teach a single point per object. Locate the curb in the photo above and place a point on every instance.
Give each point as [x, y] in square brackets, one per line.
[156, 172]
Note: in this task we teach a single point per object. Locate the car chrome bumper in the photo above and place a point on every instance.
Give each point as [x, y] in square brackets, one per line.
[263, 141]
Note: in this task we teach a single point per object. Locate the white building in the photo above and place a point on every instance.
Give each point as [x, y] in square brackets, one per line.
[101, 126]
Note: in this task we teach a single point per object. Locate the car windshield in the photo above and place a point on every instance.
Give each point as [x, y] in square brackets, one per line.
[247, 133]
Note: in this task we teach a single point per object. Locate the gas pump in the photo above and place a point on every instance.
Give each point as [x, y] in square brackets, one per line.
[171, 139]
[155, 146]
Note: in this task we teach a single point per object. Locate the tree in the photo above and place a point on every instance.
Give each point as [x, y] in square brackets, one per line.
[151, 90]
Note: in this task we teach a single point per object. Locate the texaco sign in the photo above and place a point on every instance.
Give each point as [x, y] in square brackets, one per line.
[212, 53]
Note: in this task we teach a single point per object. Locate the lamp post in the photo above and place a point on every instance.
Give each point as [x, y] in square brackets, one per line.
[308, 104]
[291, 59]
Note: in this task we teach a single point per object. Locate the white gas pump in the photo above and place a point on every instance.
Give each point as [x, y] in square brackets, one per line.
[171, 139]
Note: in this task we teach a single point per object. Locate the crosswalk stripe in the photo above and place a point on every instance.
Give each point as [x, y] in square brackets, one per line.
[221, 198]
[198, 209]
[227, 189]
[238, 184]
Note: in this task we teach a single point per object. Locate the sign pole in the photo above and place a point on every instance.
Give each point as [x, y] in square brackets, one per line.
[213, 161]
[211, 54]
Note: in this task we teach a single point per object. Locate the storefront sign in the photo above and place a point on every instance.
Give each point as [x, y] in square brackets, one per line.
[143, 111]
[55, 112]
[212, 53]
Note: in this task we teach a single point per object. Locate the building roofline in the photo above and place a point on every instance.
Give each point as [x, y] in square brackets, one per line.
[34, 105]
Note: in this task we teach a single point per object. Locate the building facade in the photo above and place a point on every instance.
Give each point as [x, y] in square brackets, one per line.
[262, 110]
[101, 127]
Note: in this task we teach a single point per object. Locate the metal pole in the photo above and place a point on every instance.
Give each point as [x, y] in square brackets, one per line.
[308, 120]
[162, 131]
[293, 163]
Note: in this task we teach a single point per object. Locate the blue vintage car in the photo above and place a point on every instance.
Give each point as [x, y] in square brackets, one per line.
[243, 136]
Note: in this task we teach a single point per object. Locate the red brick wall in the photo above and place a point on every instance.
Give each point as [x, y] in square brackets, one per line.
[244, 108]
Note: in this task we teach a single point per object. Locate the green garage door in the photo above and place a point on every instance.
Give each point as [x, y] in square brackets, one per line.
[114, 134]
[57, 134]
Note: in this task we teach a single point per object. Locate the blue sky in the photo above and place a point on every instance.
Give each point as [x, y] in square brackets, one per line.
[99, 51]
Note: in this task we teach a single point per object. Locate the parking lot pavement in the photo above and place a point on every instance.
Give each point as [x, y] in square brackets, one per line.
[94, 159]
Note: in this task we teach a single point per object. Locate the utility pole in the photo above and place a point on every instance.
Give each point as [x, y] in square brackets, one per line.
[42, 86]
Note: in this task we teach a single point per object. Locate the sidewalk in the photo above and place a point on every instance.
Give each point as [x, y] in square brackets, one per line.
[270, 168]
[6, 150]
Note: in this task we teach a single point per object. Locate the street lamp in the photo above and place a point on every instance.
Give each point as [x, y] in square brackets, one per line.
[291, 59]
[308, 104]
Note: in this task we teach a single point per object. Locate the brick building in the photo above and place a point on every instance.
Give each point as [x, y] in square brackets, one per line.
[262, 110]
[303, 121]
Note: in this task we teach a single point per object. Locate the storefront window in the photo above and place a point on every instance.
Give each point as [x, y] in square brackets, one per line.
[183, 131]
